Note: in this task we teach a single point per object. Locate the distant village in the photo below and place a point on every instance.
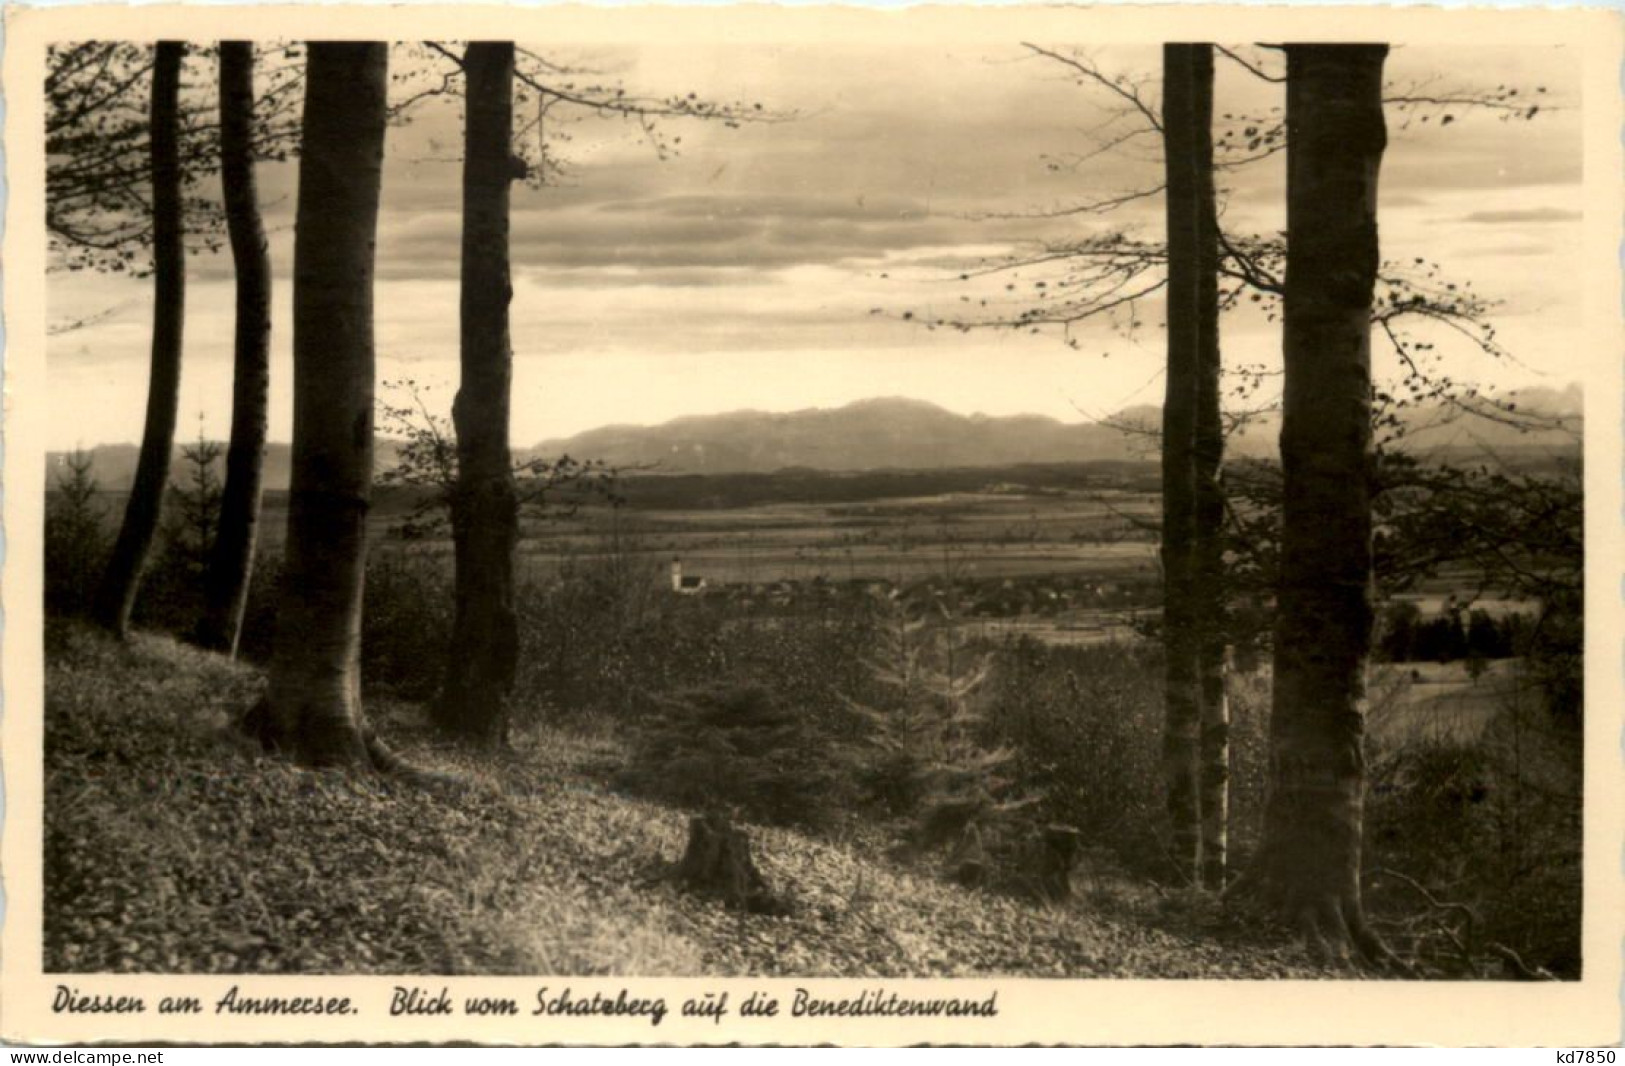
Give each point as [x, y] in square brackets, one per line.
[1026, 596]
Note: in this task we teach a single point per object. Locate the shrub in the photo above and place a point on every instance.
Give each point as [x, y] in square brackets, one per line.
[814, 662]
[740, 749]
[426, 466]
[1490, 828]
[607, 633]
[259, 614]
[1086, 726]
[1554, 649]
[603, 633]
[406, 621]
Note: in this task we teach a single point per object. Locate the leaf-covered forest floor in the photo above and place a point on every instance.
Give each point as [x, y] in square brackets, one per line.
[171, 845]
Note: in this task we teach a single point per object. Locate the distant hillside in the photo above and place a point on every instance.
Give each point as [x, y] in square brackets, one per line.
[114, 465]
[868, 435]
[1540, 423]
[901, 434]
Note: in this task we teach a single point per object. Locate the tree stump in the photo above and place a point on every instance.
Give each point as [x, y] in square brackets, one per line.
[1057, 854]
[717, 862]
[970, 861]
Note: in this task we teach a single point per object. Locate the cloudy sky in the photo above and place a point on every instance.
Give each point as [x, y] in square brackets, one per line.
[772, 265]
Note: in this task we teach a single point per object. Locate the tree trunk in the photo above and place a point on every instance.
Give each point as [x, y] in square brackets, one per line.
[231, 561]
[1207, 577]
[314, 700]
[485, 508]
[1313, 824]
[1181, 695]
[115, 599]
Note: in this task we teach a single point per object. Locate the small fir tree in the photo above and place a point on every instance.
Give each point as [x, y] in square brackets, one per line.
[933, 763]
[75, 537]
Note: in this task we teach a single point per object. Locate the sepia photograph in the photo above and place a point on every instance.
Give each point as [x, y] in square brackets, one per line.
[879, 513]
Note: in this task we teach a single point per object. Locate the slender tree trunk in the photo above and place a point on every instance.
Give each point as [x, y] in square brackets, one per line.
[485, 508]
[1181, 106]
[1211, 666]
[231, 561]
[1207, 577]
[313, 709]
[1313, 823]
[115, 599]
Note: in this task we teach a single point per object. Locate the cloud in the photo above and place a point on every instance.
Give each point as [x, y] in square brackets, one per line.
[858, 208]
[1528, 214]
[1516, 251]
[717, 237]
[760, 251]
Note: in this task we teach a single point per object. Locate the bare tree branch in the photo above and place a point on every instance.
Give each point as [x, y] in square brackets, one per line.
[1119, 87]
[1254, 70]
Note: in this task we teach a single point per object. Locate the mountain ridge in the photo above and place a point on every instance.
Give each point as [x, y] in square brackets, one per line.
[901, 433]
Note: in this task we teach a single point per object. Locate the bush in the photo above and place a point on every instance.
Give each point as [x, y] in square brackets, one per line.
[406, 621]
[1490, 828]
[601, 639]
[741, 750]
[604, 633]
[1554, 650]
[259, 613]
[607, 633]
[1086, 726]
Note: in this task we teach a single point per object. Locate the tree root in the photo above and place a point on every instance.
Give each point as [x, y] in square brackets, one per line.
[386, 761]
[1465, 944]
[1333, 928]
[1516, 967]
[1338, 934]
[256, 723]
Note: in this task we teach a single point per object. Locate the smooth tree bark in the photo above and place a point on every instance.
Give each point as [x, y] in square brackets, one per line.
[1184, 133]
[313, 706]
[484, 503]
[1212, 606]
[231, 560]
[1208, 598]
[1310, 859]
[121, 581]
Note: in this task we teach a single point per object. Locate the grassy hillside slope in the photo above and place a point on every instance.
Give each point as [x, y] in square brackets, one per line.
[172, 846]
